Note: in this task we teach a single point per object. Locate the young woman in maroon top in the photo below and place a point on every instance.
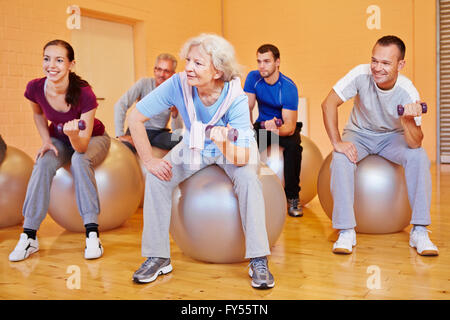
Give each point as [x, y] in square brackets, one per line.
[63, 98]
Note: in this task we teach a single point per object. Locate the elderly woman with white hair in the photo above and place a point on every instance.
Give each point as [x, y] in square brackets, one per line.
[208, 93]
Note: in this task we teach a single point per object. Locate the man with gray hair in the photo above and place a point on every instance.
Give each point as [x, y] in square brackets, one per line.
[157, 128]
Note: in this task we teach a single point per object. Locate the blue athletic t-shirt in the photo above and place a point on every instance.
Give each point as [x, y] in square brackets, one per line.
[170, 93]
[283, 94]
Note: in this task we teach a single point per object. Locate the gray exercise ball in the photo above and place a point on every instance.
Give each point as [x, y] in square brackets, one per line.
[311, 162]
[15, 171]
[206, 223]
[381, 200]
[120, 186]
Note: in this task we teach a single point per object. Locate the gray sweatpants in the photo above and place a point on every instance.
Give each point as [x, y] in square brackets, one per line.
[394, 148]
[158, 202]
[37, 198]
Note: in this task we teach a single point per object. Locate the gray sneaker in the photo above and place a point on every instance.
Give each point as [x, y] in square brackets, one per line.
[261, 276]
[294, 208]
[151, 269]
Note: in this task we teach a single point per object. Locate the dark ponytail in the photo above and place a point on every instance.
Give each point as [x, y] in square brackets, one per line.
[2, 149]
[75, 81]
[74, 90]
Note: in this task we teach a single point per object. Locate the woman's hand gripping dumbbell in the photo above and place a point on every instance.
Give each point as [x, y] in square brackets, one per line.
[232, 133]
[81, 126]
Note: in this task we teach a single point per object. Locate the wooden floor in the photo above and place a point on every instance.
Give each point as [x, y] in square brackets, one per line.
[302, 263]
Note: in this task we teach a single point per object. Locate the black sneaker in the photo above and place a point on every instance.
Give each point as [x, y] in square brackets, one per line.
[294, 209]
[151, 269]
[261, 276]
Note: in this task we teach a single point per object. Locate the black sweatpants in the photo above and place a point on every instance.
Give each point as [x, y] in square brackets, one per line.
[292, 156]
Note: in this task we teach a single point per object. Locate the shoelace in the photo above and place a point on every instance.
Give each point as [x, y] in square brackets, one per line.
[259, 264]
[147, 262]
[23, 244]
[346, 235]
[424, 233]
[293, 202]
[150, 261]
[423, 230]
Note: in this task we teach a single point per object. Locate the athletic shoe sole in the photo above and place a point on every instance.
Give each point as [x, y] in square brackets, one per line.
[27, 254]
[296, 215]
[344, 250]
[428, 253]
[94, 256]
[162, 271]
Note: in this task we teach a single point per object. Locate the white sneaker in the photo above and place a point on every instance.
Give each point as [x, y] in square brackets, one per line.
[24, 248]
[345, 242]
[94, 248]
[419, 239]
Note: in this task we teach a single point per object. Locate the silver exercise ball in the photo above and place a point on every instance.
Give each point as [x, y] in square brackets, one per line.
[206, 224]
[119, 184]
[381, 199]
[311, 162]
[15, 171]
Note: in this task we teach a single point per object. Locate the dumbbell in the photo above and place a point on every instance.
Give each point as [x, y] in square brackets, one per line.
[401, 109]
[81, 126]
[232, 135]
[418, 119]
[278, 123]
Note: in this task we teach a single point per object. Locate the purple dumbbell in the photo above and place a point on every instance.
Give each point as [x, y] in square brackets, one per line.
[278, 123]
[232, 135]
[401, 109]
[81, 126]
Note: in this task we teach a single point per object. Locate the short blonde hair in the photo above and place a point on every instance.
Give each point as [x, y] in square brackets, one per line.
[221, 52]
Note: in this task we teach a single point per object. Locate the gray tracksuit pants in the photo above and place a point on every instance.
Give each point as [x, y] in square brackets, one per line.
[37, 198]
[394, 148]
[158, 202]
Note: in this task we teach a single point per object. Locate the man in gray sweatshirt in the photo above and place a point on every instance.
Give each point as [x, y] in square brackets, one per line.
[157, 127]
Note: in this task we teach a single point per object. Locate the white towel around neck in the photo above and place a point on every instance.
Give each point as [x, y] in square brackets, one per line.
[197, 131]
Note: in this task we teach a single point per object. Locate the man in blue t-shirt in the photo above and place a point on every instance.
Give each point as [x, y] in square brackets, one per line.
[277, 98]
